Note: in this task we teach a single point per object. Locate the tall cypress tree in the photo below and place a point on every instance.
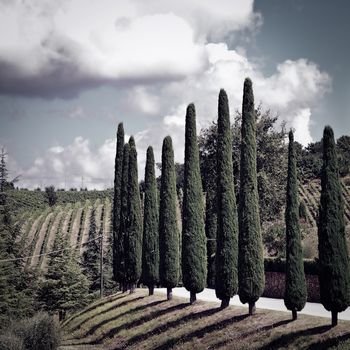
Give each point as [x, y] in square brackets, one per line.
[150, 249]
[334, 270]
[132, 142]
[120, 248]
[194, 269]
[226, 282]
[118, 169]
[133, 238]
[295, 291]
[250, 253]
[168, 231]
[211, 228]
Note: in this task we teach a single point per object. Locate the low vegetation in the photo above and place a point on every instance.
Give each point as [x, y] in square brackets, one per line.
[138, 321]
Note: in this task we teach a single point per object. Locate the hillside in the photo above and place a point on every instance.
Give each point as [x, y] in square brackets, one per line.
[137, 321]
[39, 223]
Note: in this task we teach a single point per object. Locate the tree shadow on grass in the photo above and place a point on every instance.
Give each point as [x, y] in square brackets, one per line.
[248, 334]
[139, 321]
[173, 324]
[326, 344]
[105, 311]
[286, 339]
[92, 307]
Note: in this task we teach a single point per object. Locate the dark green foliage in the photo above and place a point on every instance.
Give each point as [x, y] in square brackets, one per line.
[302, 211]
[120, 250]
[51, 195]
[334, 273]
[343, 148]
[39, 332]
[168, 231]
[274, 238]
[118, 171]
[251, 264]
[295, 292]
[279, 265]
[226, 282]
[211, 228]
[91, 256]
[271, 161]
[133, 238]
[64, 288]
[132, 142]
[150, 249]
[194, 269]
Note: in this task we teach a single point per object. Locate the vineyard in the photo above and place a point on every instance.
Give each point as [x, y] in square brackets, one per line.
[75, 211]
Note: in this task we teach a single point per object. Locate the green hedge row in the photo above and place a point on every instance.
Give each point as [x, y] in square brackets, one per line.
[279, 265]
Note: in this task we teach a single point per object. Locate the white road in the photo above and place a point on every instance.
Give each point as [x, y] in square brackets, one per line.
[313, 309]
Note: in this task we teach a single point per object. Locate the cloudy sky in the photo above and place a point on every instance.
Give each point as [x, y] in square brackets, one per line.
[71, 70]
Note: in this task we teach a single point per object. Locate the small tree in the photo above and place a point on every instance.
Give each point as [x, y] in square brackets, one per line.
[64, 288]
[168, 231]
[251, 260]
[295, 291]
[118, 171]
[334, 270]
[120, 248]
[133, 238]
[51, 195]
[226, 281]
[150, 249]
[194, 269]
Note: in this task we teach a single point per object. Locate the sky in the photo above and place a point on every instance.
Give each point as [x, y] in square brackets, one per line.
[71, 70]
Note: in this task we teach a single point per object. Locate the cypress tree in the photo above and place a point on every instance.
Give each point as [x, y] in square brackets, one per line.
[133, 238]
[295, 291]
[250, 253]
[118, 168]
[334, 271]
[194, 269]
[226, 282]
[132, 142]
[168, 231]
[211, 228]
[150, 249]
[120, 249]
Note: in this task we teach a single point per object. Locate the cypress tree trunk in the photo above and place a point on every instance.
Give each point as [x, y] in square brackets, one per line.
[294, 314]
[169, 294]
[120, 249]
[151, 290]
[334, 318]
[251, 261]
[168, 231]
[211, 228]
[334, 271]
[194, 269]
[133, 239]
[295, 291]
[118, 168]
[226, 282]
[150, 249]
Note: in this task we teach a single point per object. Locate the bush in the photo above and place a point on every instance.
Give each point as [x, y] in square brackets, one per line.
[10, 341]
[279, 265]
[274, 238]
[38, 333]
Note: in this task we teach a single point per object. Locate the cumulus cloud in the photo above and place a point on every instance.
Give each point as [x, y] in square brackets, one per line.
[72, 166]
[68, 50]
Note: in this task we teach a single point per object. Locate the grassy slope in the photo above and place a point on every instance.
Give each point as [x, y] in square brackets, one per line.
[138, 321]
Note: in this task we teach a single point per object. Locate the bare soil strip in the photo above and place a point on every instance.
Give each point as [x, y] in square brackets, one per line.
[75, 227]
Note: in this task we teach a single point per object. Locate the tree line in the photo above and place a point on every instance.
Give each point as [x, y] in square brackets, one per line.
[225, 250]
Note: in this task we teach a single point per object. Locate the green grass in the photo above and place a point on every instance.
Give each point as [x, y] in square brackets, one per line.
[137, 321]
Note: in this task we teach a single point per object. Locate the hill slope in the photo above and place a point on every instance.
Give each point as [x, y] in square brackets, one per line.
[137, 321]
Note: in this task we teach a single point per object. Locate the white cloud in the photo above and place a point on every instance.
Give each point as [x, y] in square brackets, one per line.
[70, 165]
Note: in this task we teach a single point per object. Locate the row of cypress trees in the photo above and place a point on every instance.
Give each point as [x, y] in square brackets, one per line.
[237, 242]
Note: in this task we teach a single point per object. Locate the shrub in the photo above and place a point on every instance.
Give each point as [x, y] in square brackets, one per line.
[39, 332]
[279, 265]
[10, 341]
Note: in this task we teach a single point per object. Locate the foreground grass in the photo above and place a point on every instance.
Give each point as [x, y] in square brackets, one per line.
[137, 321]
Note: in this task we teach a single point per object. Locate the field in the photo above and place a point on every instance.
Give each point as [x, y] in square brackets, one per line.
[139, 321]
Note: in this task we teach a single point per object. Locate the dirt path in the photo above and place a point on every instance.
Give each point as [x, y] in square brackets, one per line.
[75, 227]
[107, 224]
[85, 233]
[39, 242]
[51, 240]
[33, 230]
[98, 214]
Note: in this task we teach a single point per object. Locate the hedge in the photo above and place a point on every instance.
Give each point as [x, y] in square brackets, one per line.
[279, 265]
